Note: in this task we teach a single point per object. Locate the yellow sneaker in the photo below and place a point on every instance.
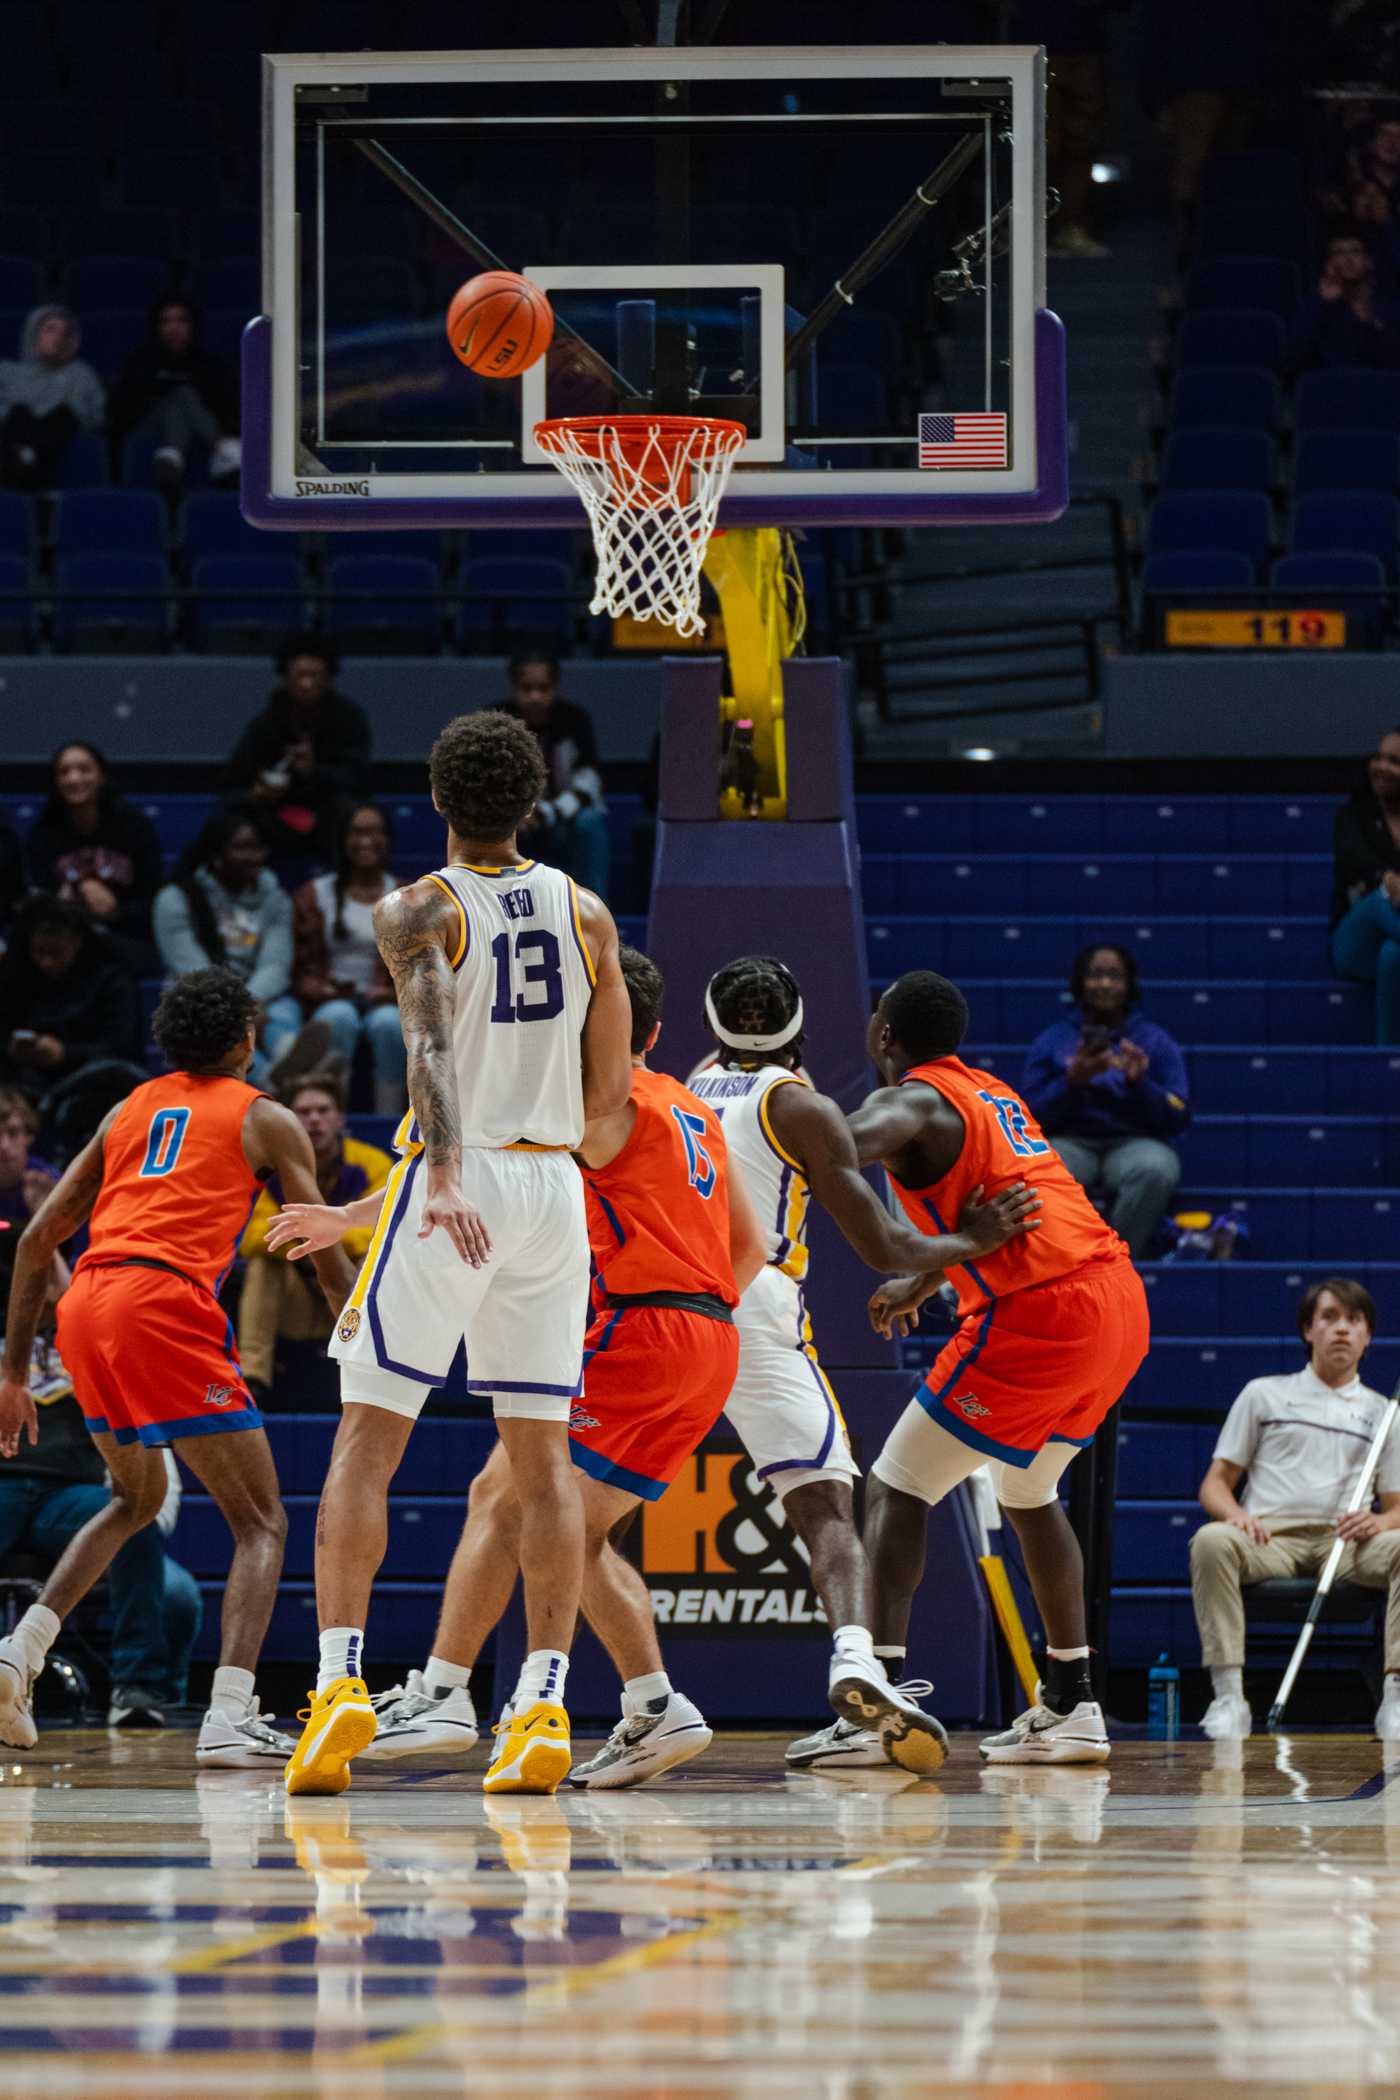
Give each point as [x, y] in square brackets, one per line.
[532, 1755]
[340, 1722]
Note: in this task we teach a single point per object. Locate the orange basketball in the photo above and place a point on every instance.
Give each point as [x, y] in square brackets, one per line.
[499, 323]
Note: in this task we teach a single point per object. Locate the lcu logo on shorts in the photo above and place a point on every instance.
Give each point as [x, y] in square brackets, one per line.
[218, 1395]
[971, 1406]
[578, 1419]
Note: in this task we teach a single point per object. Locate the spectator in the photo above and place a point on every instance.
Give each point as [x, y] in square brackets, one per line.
[569, 830]
[1109, 1088]
[25, 1177]
[1201, 81]
[307, 752]
[1366, 885]
[50, 1489]
[281, 1296]
[47, 395]
[338, 972]
[93, 847]
[173, 390]
[1302, 1438]
[1075, 34]
[1346, 321]
[68, 1001]
[225, 906]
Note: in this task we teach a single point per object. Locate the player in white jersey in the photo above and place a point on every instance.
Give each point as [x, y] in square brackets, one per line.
[791, 1143]
[517, 1024]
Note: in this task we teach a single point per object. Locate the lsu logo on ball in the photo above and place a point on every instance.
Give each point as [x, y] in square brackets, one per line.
[350, 1325]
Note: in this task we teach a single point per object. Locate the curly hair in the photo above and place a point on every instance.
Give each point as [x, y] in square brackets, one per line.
[487, 774]
[756, 995]
[202, 1018]
[925, 1013]
[646, 988]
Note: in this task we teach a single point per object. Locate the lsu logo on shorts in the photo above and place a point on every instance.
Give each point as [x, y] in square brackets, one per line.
[350, 1325]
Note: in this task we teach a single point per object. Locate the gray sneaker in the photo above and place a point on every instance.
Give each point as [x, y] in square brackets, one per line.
[912, 1739]
[840, 1747]
[643, 1746]
[413, 1719]
[1041, 1737]
[132, 1706]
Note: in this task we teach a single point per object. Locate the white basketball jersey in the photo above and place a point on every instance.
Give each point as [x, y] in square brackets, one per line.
[524, 981]
[775, 1182]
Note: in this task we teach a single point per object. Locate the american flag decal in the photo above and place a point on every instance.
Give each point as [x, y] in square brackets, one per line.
[962, 441]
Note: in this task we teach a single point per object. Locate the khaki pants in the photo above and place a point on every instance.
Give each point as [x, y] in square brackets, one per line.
[1223, 1559]
[279, 1297]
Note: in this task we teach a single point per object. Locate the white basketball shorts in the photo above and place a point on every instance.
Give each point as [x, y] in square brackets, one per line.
[781, 1406]
[522, 1314]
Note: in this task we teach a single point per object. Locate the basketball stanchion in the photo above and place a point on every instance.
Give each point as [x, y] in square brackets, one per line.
[1361, 1495]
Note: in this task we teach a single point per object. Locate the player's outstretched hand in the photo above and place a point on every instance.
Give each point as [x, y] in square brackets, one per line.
[18, 1416]
[991, 1225]
[305, 1228]
[463, 1225]
[894, 1307]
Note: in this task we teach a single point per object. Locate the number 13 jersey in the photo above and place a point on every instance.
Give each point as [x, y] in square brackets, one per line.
[524, 980]
[1004, 1144]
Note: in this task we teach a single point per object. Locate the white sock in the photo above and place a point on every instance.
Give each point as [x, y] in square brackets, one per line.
[232, 1690]
[342, 1653]
[1392, 1684]
[443, 1676]
[1070, 1655]
[854, 1641]
[36, 1633]
[638, 1692]
[1228, 1684]
[542, 1676]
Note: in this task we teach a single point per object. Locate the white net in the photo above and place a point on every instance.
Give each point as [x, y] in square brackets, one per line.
[651, 486]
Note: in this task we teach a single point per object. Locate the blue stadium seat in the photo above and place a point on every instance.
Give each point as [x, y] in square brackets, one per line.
[1215, 523]
[1237, 336]
[521, 595]
[86, 463]
[121, 598]
[1217, 459]
[1348, 523]
[1186, 573]
[1349, 398]
[241, 601]
[422, 546]
[227, 232]
[60, 175]
[1285, 823]
[171, 126]
[179, 180]
[228, 281]
[130, 230]
[16, 603]
[852, 398]
[1275, 228]
[1351, 583]
[1262, 175]
[132, 521]
[33, 126]
[25, 231]
[109, 334]
[1163, 1460]
[385, 601]
[1225, 397]
[26, 282]
[16, 525]
[1346, 459]
[111, 280]
[211, 522]
[1260, 282]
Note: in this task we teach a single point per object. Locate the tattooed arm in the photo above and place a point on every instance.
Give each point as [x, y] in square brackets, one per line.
[63, 1210]
[414, 928]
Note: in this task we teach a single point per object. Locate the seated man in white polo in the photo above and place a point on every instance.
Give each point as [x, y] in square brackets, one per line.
[1302, 1439]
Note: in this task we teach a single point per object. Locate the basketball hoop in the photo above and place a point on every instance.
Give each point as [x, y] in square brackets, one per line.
[652, 487]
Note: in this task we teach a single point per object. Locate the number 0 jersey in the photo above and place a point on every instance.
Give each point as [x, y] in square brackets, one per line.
[176, 1184]
[1004, 1144]
[658, 1214]
[524, 981]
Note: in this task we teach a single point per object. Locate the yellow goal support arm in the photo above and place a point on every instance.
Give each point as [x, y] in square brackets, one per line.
[755, 576]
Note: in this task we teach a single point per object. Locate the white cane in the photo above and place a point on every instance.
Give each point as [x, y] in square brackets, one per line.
[1360, 1497]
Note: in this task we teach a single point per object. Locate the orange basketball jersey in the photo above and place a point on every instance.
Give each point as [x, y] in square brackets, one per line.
[1005, 1144]
[658, 1215]
[176, 1185]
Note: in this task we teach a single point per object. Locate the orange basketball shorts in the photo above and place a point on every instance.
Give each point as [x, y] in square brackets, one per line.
[1043, 1363]
[151, 1355]
[655, 1380]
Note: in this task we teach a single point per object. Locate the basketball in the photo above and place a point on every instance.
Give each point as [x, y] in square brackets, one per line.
[498, 324]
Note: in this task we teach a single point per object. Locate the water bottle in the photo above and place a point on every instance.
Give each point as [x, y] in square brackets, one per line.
[1164, 1699]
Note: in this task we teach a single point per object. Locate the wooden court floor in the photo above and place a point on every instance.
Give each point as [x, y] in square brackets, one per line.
[1198, 1920]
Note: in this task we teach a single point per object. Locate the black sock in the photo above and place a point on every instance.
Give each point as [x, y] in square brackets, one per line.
[893, 1660]
[1065, 1684]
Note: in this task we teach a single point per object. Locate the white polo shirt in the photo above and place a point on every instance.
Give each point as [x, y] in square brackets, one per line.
[1304, 1444]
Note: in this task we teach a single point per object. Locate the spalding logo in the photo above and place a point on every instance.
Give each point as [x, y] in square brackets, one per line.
[332, 488]
[350, 1325]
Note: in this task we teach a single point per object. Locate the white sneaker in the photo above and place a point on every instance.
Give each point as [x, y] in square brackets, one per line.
[225, 457]
[839, 1747]
[16, 1688]
[241, 1739]
[411, 1719]
[1040, 1737]
[864, 1696]
[643, 1746]
[1388, 1714]
[1228, 1719]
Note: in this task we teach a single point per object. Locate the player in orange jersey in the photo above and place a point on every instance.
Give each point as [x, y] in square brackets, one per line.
[168, 1181]
[1054, 1325]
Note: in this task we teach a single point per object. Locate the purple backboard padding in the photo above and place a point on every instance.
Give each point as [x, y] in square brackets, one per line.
[918, 507]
